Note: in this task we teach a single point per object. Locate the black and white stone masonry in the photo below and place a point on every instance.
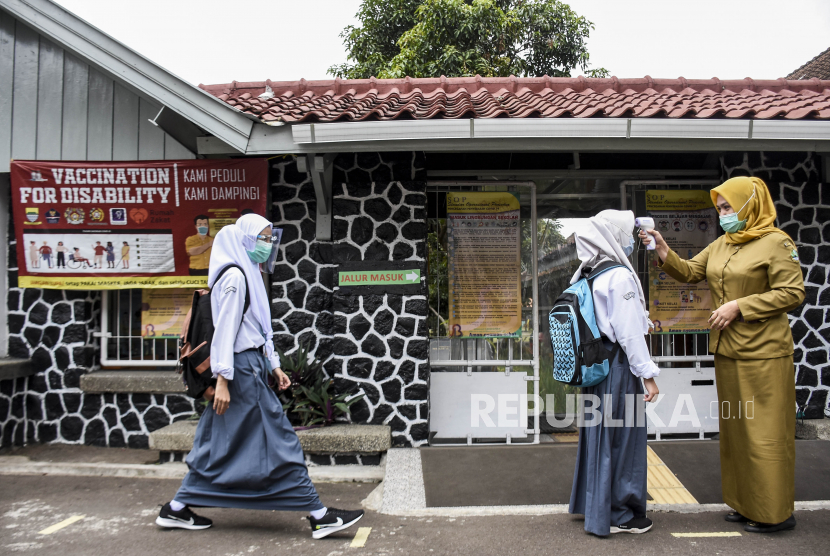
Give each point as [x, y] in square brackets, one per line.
[374, 344]
[803, 206]
[55, 329]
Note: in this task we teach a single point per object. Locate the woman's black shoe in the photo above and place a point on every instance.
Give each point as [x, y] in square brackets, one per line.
[735, 517]
[755, 527]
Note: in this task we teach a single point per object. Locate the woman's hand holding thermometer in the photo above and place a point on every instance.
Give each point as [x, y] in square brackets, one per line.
[652, 239]
[646, 224]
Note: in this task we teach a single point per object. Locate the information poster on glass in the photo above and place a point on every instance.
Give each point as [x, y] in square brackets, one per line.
[687, 220]
[484, 247]
[163, 312]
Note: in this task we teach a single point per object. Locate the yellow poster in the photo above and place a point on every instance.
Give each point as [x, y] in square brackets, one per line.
[163, 312]
[219, 218]
[484, 265]
[687, 220]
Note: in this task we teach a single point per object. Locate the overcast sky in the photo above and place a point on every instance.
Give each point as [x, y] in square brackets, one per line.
[208, 41]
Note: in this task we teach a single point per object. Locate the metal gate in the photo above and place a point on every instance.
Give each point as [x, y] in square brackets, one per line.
[686, 368]
[467, 371]
[462, 368]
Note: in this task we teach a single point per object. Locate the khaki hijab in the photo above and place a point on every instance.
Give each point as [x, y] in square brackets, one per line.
[759, 212]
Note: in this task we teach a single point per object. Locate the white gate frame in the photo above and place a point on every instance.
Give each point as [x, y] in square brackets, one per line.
[693, 361]
[509, 363]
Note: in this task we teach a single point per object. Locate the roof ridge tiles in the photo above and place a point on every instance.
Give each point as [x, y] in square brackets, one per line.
[489, 97]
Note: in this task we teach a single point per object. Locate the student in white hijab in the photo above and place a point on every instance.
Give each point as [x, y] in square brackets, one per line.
[610, 476]
[245, 452]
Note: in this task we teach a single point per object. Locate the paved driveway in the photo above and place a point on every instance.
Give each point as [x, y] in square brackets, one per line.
[119, 513]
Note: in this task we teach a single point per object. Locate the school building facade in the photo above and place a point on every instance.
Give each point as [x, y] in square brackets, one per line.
[356, 173]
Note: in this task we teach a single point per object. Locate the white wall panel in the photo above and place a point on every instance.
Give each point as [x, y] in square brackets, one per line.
[99, 117]
[49, 101]
[75, 103]
[6, 87]
[150, 137]
[173, 150]
[125, 124]
[24, 101]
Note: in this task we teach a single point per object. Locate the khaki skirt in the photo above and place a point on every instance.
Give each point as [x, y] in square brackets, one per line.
[757, 436]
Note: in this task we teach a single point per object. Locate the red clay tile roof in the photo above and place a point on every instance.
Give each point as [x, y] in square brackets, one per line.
[818, 67]
[543, 97]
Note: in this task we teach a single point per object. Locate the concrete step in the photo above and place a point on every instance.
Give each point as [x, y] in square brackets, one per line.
[336, 439]
[812, 429]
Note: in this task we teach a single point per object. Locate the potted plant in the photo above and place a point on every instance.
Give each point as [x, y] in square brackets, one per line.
[310, 401]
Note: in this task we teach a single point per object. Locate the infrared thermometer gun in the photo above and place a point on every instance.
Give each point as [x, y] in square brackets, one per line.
[647, 224]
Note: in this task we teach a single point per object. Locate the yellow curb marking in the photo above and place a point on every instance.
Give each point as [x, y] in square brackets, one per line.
[359, 540]
[663, 486]
[566, 437]
[61, 525]
[724, 534]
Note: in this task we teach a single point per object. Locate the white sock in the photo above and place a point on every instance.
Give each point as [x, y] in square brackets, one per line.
[176, 506]
[318, 514]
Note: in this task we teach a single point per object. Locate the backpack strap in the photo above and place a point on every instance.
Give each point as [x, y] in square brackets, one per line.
[247, 286]
[601, 268]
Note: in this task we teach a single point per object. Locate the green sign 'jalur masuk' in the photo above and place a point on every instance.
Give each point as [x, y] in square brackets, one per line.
[379, 277]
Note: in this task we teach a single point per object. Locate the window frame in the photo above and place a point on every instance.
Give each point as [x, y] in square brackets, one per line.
[110, 333]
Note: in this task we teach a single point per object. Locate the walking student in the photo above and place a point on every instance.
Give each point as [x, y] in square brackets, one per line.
[246, 453]
[609, 486]
[755, 277]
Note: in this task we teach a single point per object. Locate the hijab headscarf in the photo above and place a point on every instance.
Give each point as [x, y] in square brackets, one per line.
[603, 240]
[230, 246]
[759, 211]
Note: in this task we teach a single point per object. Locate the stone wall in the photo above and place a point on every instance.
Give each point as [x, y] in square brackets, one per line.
[55, 329]
[371, 344]
[803, 205]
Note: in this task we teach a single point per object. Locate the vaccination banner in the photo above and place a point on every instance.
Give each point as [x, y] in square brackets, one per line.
[688, 221]
[112, 225]
[484, 239]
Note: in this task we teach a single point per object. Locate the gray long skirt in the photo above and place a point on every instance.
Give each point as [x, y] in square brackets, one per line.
[611, 467]
[250, 457]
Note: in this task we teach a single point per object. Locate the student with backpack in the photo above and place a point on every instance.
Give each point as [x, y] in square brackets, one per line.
[609, 486]
[245, 453]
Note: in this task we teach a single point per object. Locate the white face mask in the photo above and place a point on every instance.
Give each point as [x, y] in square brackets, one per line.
[628, 249]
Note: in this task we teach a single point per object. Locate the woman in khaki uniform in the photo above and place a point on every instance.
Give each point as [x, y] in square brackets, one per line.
[755, 277]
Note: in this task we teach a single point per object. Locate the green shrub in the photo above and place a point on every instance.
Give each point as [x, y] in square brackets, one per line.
[310, 400]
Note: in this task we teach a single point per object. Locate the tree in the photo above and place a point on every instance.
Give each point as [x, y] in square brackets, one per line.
[458, 38]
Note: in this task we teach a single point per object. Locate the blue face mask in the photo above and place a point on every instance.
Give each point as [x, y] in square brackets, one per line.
[203, 230]
[628, 249]
[261, 252]
[730, 222]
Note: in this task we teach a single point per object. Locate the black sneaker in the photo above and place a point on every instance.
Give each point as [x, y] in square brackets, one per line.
[333, 521]
[635, 525]
[184, 519]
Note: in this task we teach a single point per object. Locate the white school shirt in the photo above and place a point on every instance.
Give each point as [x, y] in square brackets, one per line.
[227, 299]
[620, 318]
